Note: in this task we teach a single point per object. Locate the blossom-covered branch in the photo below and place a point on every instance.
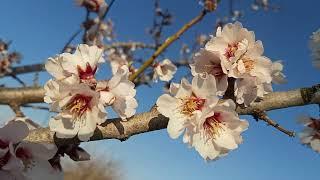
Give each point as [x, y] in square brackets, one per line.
[153, 120]
[40, 66]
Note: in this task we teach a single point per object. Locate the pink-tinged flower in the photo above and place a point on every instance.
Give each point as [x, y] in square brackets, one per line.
[207, 62]
[119, 93]
[80, 110]
[218, 130]
[315, 48]
[83, 63]
[187, 98]
[231, 43]
[164, 70]
[92, 5]
[12, 133]
[311, 134]
[35, 159]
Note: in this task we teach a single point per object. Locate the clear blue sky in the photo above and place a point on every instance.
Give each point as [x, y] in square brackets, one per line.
[39, 29]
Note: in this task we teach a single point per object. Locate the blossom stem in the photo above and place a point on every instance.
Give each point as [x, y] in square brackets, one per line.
[167, 43]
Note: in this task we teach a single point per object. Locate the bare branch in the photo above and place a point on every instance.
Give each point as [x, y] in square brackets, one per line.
[167, 43]
[262, 115]
[153, 120]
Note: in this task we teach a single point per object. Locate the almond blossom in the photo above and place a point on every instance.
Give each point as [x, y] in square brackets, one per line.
[164, 70]
[35, 159]
[218, 130]
[82, 64]
[311, 134]
[119, 92]
[277, 76]
[11, 166]
[22, 159]
[185, 100]
[234, 53]
[231, 42]
[92, 5]
[207, 62]
[315, 48]
[80, 110]
[116, 60]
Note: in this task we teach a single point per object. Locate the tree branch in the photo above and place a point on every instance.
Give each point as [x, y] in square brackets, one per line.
[153, 120]
[167, 43]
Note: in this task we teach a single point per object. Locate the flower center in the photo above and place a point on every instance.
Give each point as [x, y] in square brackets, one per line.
[78, 105]
[3, 144]
[23, 153]
[192, 104]
[87, 73]
[230, 50]
[93, 5]
[213, 125]
[4, 159]
[248, 64]
[215, 69]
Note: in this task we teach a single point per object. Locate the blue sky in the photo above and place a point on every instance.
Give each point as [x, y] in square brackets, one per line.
[40, 28]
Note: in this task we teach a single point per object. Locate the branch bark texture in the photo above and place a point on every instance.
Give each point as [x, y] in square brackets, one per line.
[153, 120]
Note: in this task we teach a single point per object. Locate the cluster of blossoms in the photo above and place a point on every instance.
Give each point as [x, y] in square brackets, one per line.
[315, 48]
[7, 58]
[310, 136]
[79, 98]
[23, 160]
[230, 60]
[93, 5]
[96, 30]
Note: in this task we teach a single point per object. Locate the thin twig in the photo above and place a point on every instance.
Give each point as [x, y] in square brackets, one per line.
[167, 43]
[262, 115]
[18, 79]
[16, 109]
[36, 107]
[70, 40]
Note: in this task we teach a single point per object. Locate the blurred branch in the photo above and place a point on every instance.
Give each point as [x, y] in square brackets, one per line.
[153, 120]
[40, 67]
[70, 40]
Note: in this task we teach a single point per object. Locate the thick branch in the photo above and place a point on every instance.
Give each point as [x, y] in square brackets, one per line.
[151, 121]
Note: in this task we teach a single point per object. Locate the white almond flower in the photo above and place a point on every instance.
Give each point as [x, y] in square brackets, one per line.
[187, 99]
[207, 62]
[315, 48]
[35, 159]
[277, 76]
[80, 111]
[83, 63]
[311, 134]
[253, 64]
[164, 71]
[231, 42]
[12, 133]
[119, 92]
[219, 130]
